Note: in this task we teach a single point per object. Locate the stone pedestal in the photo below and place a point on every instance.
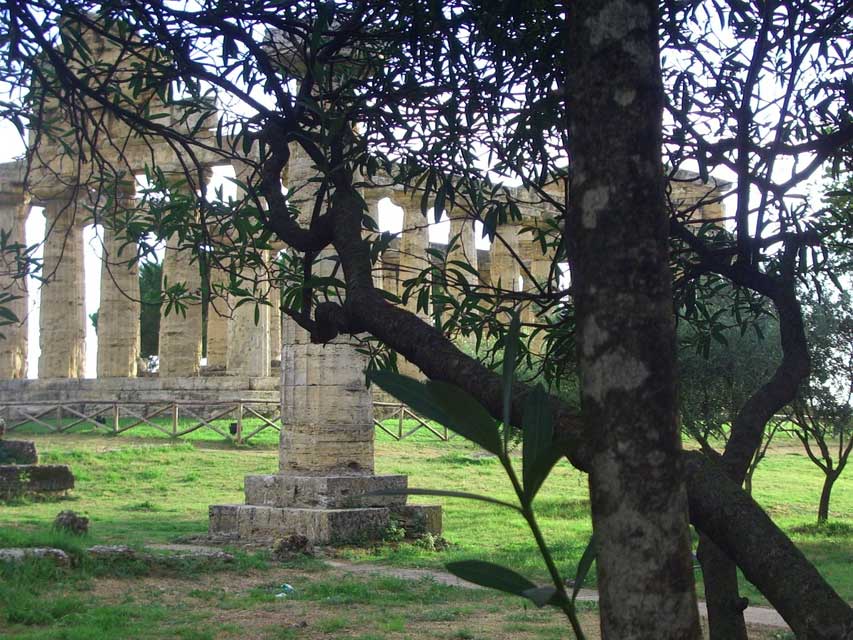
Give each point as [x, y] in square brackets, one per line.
[118, 317]
[326, 449]
[62, 318]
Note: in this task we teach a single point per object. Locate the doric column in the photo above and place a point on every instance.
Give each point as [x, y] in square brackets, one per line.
[504, 267]
[218, 319]
[62, 316]
[326, 409]
[180, 333]
[14, 208]
[464, 249]
[249, 328]
[118, 316]
[372, 198]
[414, 242]
[249, 340]
[275, 323]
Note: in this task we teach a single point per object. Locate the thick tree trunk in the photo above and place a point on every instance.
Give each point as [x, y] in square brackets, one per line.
[725, 616]
[825, 494]
[618, 226]
[720, 509]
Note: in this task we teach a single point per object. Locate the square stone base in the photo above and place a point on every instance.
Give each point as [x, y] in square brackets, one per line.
[323, 492]
[256, 523]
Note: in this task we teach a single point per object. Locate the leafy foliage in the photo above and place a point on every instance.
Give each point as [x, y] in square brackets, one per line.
[460, 412]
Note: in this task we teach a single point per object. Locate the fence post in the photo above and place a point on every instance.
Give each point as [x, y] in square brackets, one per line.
[240, 422]
[115, 418]
[400, 423]
[175, 417]
[59, 418]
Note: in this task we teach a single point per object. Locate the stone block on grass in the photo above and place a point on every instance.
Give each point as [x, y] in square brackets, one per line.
[32, 479]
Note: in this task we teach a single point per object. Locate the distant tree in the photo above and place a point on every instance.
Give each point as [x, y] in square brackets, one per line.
[723, 358]
[822, 414]
[150, 282]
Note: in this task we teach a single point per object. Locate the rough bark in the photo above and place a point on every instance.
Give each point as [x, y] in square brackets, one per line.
[624, 316]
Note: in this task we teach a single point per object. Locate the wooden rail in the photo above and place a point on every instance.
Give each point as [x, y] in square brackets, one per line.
[112, 417]
[116, 417]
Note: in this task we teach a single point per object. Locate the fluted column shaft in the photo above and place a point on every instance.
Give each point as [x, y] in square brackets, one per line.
[464, 250]
[218, 319]
[504, 267]
[327, 410]
[180, 333]
[62, 317]
[118, 316]
[14, 208]
[249, 328]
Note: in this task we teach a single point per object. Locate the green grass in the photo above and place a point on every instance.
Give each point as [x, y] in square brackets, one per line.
[144, 490]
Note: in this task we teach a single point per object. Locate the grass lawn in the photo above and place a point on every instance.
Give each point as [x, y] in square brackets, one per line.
[139, 490]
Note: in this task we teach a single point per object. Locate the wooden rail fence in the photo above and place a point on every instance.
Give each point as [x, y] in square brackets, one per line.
[119, 417]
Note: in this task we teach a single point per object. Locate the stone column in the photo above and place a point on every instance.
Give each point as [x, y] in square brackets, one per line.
[118, 316]
[249, 340]
[217, 325]
[62, 317]
[414, 242]
[504, 267]
[326, 407]
[275, 323]
[249, 329]
[14, 208]
[464, 250]
[180, 333]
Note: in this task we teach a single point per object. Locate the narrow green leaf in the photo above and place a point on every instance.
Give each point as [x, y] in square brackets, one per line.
[510, 352]
[444, 403]
[493, 576]
[583, 566]
[442, 493]
[540, 596]
[438, 205]
[464, 415]
[538, 454]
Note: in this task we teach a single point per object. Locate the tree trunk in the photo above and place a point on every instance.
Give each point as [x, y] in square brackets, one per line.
[719, 572]
[747, 483]
[618, 227]
[721, 510]
[725, 607]
[826, 492]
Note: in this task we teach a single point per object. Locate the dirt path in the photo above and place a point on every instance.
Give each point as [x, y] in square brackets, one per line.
[764, 616]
